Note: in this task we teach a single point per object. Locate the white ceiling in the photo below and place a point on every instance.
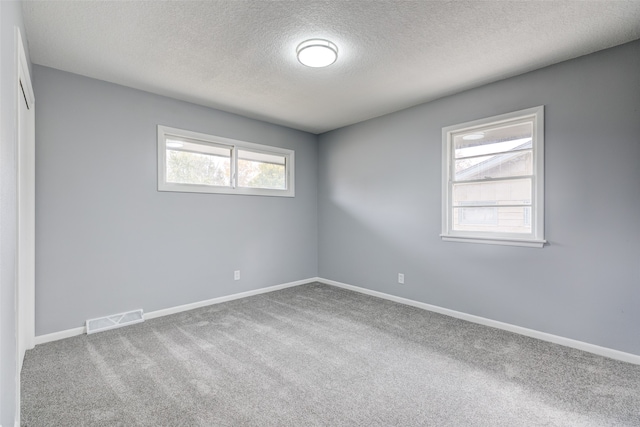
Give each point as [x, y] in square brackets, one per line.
[239, 56]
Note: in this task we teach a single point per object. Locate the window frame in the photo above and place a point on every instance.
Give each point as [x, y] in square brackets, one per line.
[233, 145]
[533, 239]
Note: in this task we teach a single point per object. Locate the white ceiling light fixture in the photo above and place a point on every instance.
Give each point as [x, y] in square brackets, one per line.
[317, 53]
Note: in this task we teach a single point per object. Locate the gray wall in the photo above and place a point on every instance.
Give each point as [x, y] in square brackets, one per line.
[379, 198]
[107, 241]
[10, 16]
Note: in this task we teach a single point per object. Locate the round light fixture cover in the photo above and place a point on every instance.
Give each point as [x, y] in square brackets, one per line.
[317, 53]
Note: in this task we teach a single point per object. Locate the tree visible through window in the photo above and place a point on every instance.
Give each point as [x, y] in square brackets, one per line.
[260, 170]
[197, 168]
[193, 162]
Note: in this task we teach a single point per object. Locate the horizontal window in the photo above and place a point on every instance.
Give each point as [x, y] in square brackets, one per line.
[195, 162]
[492, 182]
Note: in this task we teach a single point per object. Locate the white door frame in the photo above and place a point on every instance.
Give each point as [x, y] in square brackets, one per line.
[25, 190]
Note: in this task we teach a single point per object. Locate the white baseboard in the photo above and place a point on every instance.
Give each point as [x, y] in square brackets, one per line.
[567, 342]
[55, 336]
[180, 308]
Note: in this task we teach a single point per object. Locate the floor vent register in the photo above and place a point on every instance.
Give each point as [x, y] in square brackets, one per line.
[113, 321]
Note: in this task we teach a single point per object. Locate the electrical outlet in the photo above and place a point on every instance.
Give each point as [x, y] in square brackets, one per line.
[401, 278]
[236, 275]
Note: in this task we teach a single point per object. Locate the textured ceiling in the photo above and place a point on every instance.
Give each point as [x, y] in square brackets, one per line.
[239, 56]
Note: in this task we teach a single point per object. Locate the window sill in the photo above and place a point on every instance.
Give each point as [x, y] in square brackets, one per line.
[495, 241]
[213, 189]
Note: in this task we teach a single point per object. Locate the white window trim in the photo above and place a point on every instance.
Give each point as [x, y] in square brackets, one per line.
[234, 145]
[536, 238]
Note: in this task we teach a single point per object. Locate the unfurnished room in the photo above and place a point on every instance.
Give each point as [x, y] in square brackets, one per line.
[320, 213]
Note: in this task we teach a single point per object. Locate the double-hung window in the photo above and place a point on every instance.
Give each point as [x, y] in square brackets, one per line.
[493, 182]
[200, 163]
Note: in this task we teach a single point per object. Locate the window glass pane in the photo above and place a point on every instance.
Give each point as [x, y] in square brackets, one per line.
[199, 163]
[495, 166]
[497, 139]
[192, 163]
[493, 219]
[477, 215]
[493, 184]
[261, 170]
[507, 192]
